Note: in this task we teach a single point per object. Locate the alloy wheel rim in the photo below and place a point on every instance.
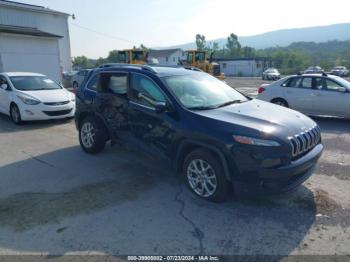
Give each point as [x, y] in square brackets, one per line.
[201, 178]
[15, 114]
[87, 135]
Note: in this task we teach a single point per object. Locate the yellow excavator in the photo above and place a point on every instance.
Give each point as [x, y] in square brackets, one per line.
[135, 57]
[200, 60]
[132, 56]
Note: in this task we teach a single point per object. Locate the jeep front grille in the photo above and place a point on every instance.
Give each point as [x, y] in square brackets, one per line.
[305, 141]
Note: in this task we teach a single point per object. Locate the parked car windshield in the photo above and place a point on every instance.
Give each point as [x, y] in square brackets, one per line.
[32, 83]
[201, 91]
[272, 71]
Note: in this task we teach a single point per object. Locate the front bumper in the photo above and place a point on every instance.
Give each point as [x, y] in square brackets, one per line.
[280, 179]
[45, 112]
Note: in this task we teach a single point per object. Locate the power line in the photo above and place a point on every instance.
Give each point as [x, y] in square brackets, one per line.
[104, 34]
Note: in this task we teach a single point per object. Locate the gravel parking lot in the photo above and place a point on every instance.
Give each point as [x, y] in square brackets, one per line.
[55, 200]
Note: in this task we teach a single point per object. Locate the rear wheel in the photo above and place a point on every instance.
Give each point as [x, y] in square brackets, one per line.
[92, 135]
[280, 102]
[205, 176]
[15, 114]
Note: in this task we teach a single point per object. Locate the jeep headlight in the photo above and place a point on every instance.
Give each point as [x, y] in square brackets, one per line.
[28, 100]
[254, 141]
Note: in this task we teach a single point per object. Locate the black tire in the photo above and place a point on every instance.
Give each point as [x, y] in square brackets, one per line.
[75, 85]
[220, 193]
[15, 115]
[98, 131]
[280, 102]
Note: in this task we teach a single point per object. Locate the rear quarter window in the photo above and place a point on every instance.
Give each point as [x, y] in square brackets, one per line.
[292, 82]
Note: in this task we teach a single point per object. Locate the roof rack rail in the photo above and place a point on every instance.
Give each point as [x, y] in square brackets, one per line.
[193, 68]
[148, 68]
[324, 74]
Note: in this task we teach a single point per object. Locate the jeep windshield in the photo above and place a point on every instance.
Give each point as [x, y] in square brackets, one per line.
[202, 92]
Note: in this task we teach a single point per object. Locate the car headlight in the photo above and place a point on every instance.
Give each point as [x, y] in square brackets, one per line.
[28, 101]
[72, 96]
[254, 141]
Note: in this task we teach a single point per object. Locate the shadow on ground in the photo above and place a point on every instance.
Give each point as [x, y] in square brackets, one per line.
[333, 125]
[149, 209]
[7, 126]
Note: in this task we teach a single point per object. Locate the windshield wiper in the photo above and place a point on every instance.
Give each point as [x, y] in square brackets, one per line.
[229, 103]
[202, 107]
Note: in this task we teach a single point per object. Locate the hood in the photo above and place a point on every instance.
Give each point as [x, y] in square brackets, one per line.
[50, 96]
[262, 116]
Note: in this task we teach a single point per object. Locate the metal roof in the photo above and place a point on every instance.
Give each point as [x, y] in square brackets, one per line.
[36, 8]
[163, 52]
[243, 59]
[19, 30]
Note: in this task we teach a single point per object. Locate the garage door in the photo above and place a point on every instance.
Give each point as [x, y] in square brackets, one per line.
[30, 54]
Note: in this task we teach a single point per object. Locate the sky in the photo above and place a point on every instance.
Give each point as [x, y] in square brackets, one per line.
[122, 24]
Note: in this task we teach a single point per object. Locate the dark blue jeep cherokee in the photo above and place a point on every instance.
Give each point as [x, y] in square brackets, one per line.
[211, 133]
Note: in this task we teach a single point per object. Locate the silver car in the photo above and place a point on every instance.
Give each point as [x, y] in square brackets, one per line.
[314, 70]
[316, 94]
[340, 71]
[271, 74]
[79, 77]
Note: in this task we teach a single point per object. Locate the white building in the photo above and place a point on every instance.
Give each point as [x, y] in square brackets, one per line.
[168, 57]
[34, 39]
[244, 66]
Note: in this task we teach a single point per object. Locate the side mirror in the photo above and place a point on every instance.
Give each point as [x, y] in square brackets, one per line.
[4, 86]
[342, 90]
[161, 107]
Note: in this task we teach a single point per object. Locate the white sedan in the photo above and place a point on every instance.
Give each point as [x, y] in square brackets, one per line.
[315, 95]
[31, 96]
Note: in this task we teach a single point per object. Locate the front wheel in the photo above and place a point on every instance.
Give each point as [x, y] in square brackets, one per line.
[15, 115]
[205, 176]
[92, 135]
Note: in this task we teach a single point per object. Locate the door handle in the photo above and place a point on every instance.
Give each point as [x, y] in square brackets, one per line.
[313, 94]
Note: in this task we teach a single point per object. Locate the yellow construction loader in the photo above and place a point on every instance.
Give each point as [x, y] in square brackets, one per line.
[133, 56]
[200, 60]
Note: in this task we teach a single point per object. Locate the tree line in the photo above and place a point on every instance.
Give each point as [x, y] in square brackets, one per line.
[289, 60]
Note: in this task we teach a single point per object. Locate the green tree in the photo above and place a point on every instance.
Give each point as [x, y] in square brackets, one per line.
[248, 51]
[100, 61]
[80, 62]
[144, 48]
[112, 56]
[233, 46]
[200, 42]
[216, 47]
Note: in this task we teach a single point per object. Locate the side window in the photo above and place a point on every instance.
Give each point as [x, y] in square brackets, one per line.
[2, 80]
[94, 83]
[145, 91]
[190, 58]
[330, 85]
[306, 83]
[319, 83]
[117, 83]
[292, 82]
